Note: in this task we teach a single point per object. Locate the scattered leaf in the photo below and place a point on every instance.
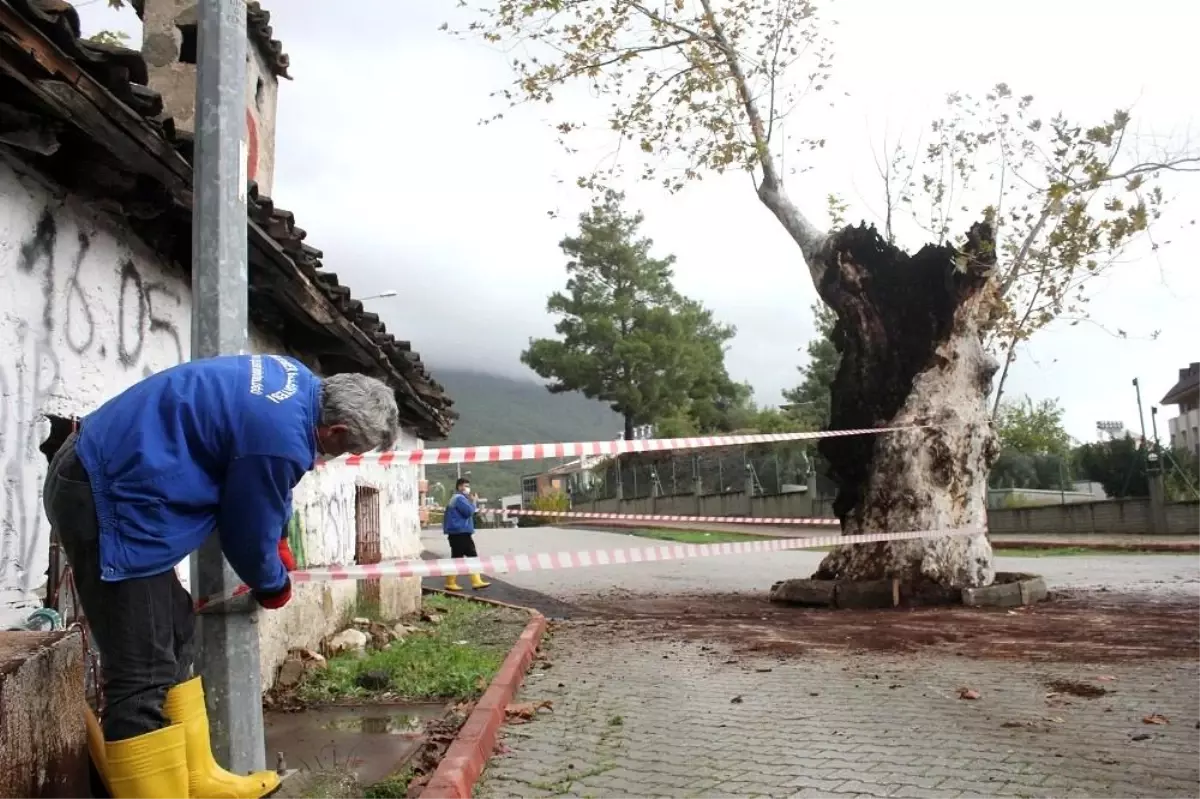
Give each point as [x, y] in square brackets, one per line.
[523, 712]
[1141, 736]
[737, 700]
[1156, 718]
[968, 693]
[1105, 678]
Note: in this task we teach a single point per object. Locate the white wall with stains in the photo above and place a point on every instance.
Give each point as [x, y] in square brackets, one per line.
[324, 504]
[87, 310]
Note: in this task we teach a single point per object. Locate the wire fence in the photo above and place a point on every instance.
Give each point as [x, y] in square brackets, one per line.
[756, 470]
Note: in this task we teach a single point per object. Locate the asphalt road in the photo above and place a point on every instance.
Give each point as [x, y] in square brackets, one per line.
[756, 572]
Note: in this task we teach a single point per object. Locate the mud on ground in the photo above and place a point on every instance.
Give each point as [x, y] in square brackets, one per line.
[1077, 626]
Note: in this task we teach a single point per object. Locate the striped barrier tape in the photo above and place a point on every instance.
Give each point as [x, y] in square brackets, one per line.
[502, 564]
[526, 452]
[650, 517]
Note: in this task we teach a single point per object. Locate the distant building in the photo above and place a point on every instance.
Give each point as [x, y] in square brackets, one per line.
[566, 478]
[1185, 428]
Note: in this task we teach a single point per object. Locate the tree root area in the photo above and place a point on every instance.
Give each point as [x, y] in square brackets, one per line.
[1092, 627]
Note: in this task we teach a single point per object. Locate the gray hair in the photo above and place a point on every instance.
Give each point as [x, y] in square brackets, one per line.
[366, 406]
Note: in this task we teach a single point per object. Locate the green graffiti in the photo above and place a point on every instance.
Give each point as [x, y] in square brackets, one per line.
[296, 540]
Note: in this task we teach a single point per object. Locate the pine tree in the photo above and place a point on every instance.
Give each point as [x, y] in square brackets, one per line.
[625, 336]
[809, 401]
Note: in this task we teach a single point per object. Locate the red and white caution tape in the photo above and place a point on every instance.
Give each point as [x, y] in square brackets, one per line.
[527, 452]
[501, 564]
[650, 517]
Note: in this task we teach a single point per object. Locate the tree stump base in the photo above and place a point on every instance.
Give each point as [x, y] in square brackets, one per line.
[1010, 589]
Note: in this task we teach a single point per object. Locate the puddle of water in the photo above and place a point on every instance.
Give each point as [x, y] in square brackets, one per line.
[372, 741]
[397, 724]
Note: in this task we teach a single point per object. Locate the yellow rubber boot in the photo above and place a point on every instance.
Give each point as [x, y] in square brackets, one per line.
[149, 766]
[478, 582]
[452, 583]
[95, 742]
[206, 779]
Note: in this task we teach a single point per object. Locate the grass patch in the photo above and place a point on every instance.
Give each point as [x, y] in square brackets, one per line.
[394, 787]
[692, 536]
[723, 537]
[454, 658]
[1078, 551]
[332, 784]
[341, 784]
[704, 536]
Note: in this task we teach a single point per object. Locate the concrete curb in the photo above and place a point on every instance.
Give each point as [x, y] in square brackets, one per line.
[467, 756]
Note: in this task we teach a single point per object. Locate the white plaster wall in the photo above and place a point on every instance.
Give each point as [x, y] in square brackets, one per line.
[86, 312]
[324, 501]
[261, 106]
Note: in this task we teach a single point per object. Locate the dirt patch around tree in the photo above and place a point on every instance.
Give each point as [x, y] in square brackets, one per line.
[1076, 688]
[1096, 627]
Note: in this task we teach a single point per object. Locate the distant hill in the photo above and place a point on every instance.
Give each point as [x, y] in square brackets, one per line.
[505, 410]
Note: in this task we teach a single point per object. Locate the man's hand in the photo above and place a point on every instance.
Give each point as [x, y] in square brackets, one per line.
[274, 600]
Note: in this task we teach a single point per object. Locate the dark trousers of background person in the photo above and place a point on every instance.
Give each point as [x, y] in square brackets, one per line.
[143, 626]
[462, 545]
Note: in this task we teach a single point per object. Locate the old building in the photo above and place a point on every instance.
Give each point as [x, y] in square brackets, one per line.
[95, 249]
[1184, 429]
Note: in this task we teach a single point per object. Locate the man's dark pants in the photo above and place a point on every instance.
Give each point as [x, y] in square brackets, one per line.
[143, 626]
[462, 545]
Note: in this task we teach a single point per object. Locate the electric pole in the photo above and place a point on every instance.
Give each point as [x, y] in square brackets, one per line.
[226, 636]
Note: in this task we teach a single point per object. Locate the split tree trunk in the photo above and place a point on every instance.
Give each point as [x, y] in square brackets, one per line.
[912, 354]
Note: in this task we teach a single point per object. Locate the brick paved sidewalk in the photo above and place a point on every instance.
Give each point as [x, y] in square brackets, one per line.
[640, 718]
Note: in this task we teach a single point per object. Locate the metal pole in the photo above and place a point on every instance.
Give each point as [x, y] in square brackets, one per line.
[227, 639]
[1141, 417]
[1148, 452]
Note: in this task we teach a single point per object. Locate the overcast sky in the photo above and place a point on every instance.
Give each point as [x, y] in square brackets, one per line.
[380, 156]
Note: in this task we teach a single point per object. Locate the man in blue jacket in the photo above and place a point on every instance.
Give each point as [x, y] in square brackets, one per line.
[458, 524]
[212, 445]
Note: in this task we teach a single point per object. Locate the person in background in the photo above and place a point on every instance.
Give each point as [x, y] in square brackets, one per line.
[458, 524]
[212, 445]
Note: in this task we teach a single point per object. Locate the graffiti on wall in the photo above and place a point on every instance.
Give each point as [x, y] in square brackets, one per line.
[324, 504]
[84, 321]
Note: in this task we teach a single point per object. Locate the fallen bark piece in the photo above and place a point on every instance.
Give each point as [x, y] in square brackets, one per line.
[804, 593]
[523, 712]
[1156, 718]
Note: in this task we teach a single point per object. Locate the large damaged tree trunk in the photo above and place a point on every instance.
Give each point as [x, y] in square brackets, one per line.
[911, 354]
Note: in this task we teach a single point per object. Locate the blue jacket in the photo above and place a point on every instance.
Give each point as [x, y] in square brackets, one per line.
[459, 517]
[217, 443]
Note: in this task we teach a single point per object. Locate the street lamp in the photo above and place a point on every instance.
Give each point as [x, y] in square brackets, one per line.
[379, 296]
